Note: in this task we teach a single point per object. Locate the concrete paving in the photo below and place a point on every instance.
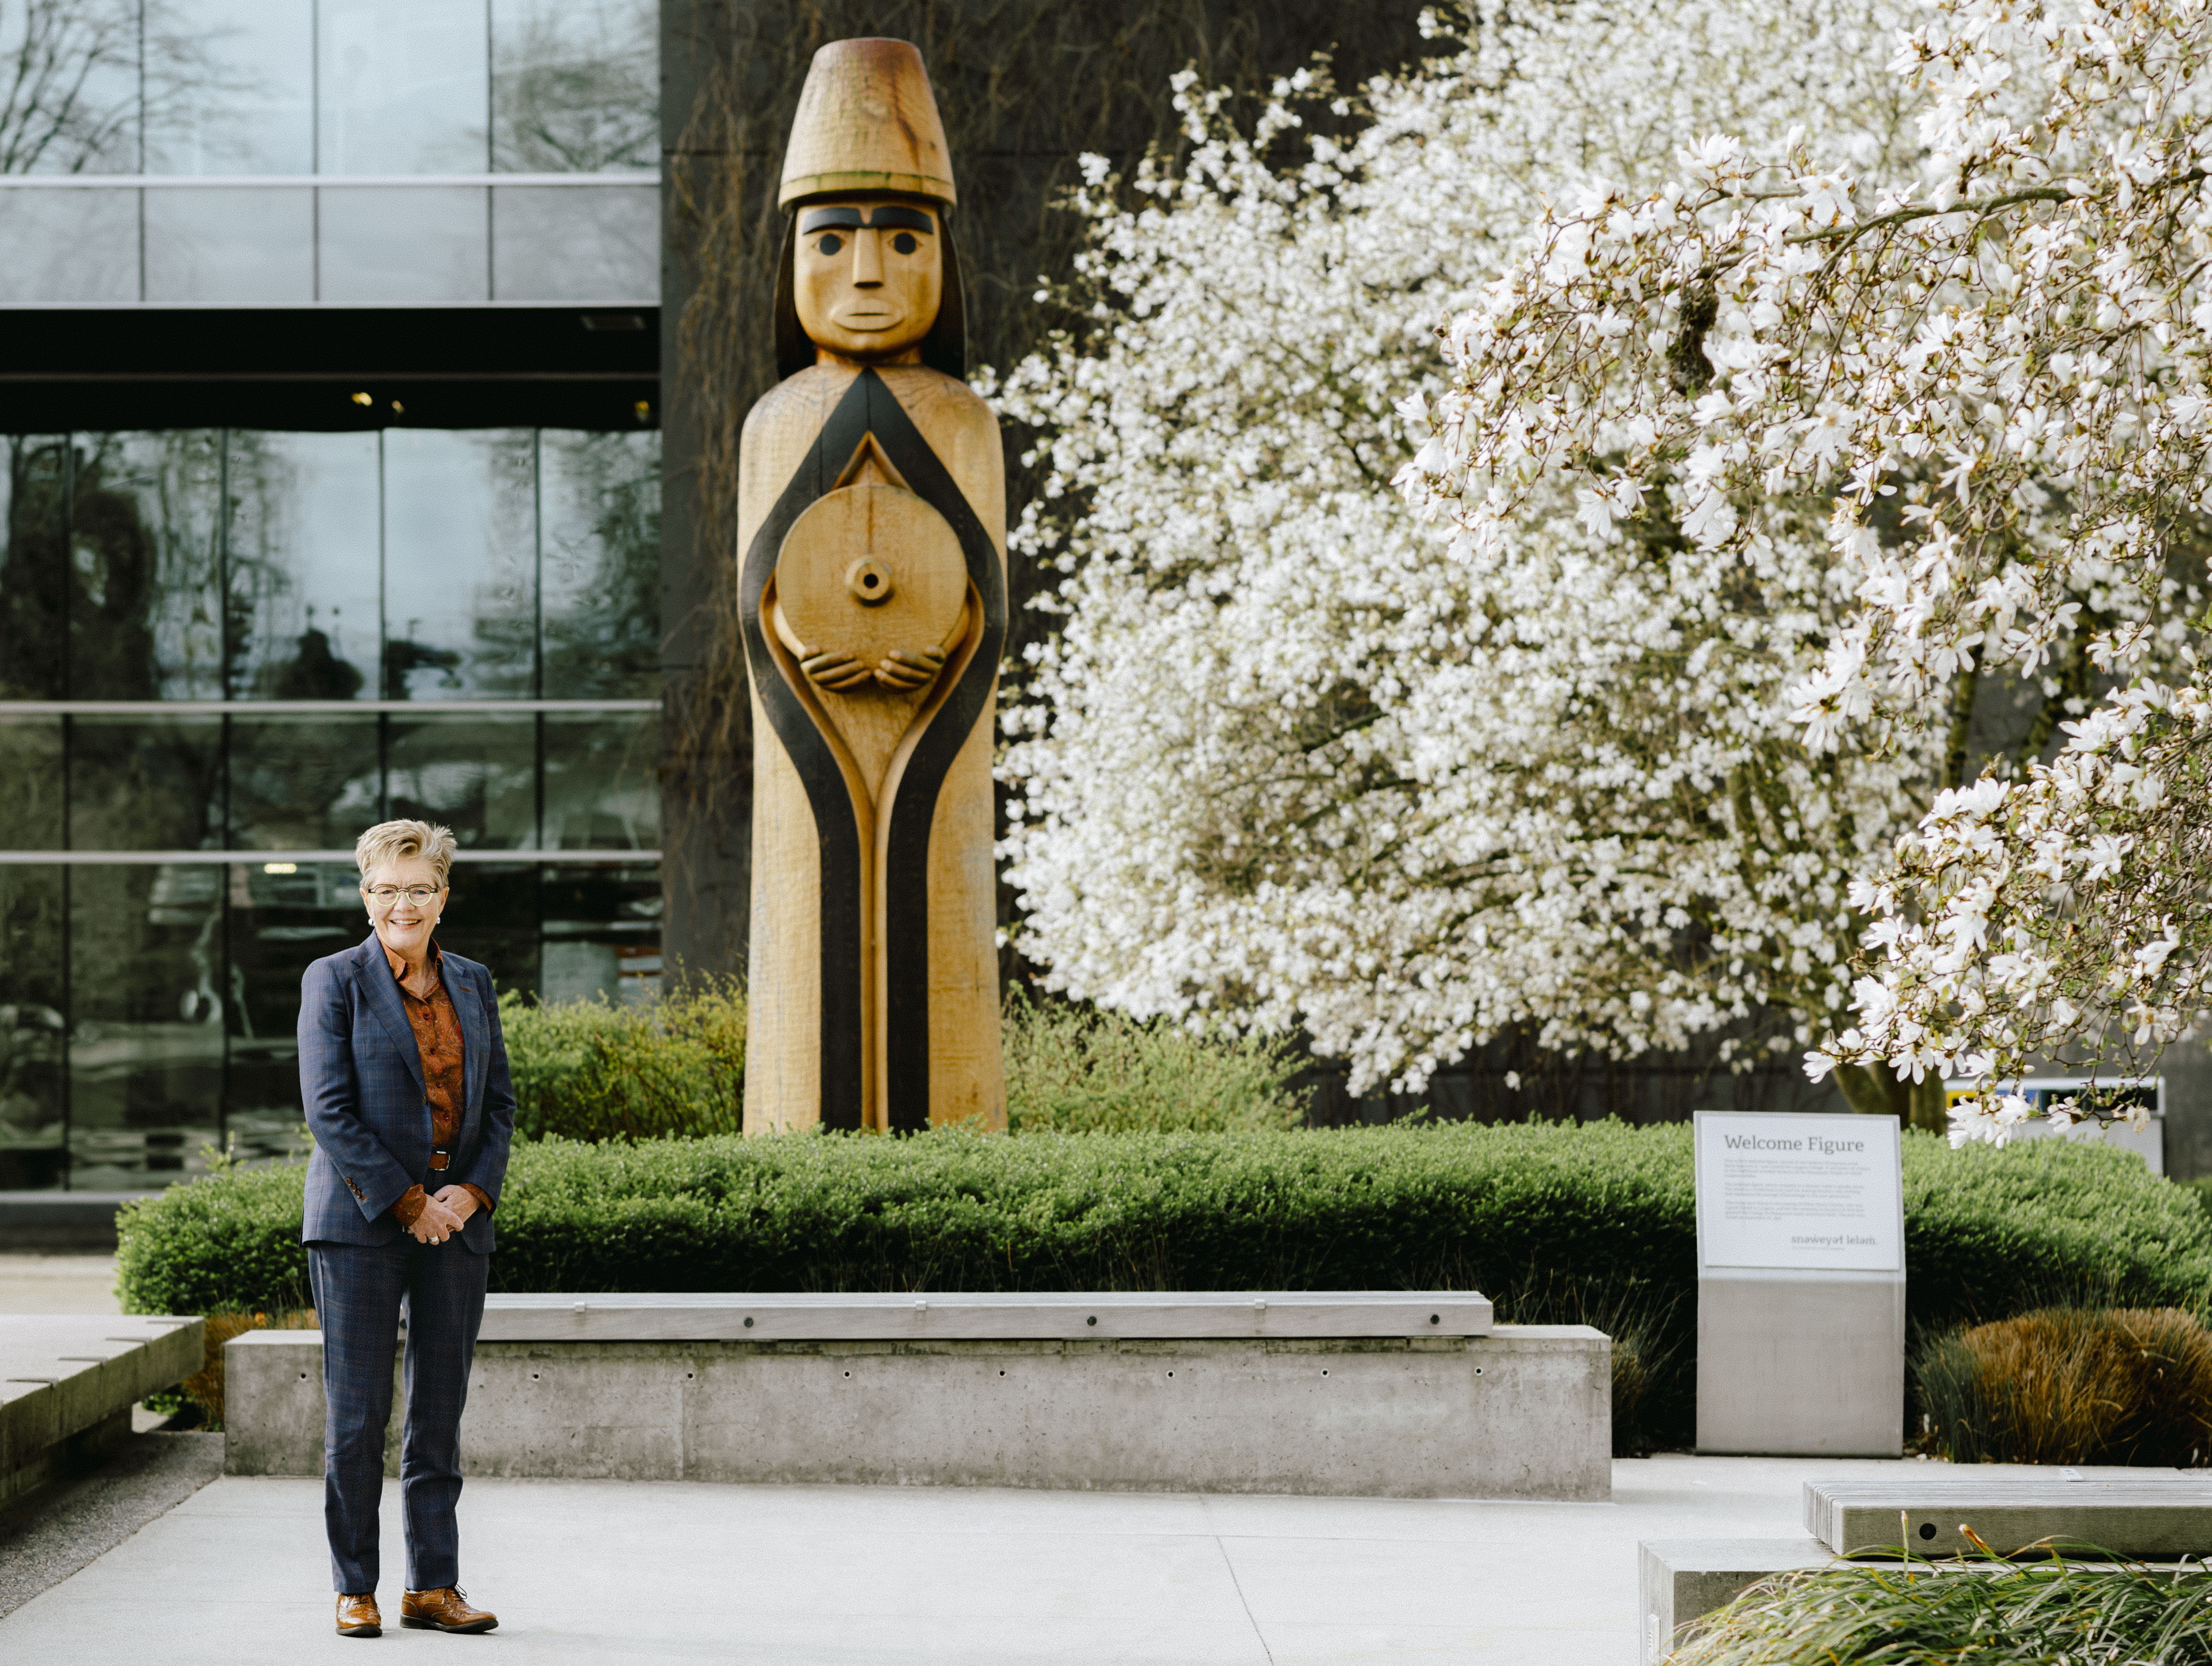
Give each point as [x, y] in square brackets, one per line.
[33, 1283]
[837, 1576]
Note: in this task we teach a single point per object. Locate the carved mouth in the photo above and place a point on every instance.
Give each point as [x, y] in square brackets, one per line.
[865, 317]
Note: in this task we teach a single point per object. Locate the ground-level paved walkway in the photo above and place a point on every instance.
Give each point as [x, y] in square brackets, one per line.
[604, 1571]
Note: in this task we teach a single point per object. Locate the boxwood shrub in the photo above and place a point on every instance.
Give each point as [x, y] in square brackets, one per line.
[1554, 1221]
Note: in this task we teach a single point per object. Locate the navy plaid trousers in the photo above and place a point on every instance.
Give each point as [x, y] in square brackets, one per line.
[360, 1291]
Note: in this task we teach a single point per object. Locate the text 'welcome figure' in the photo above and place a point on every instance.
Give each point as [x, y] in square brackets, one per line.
[872, 592]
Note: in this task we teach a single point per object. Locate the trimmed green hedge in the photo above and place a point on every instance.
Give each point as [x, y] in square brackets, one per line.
[1554, 1221]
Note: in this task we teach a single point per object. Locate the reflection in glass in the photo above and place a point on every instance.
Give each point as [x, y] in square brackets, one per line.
[146, 1041]
[460, 564]
[281, 917]
[34, 591]
[476, 775]
[575, 86]
[31, 1028]
[146, 620]
[599, 498]
[251, 246]
[82, 114]
[585, 243]
[302, 783]
[30, 784]
[404, 87]
[492, 917]
[601, 788]
[65, 244]
[245, 102]
[601, 934]
[385, 245]
[145, 784]
[303, 517]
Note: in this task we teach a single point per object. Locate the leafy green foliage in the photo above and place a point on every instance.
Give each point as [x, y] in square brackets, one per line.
[1073, 1071]
[1555, 1222]
[590, 1071]
[2031, 1613]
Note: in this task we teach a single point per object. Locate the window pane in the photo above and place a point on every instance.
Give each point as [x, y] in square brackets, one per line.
[69, 244]
[591, 243]
[145, 784]
[600, 497]
[146, 622]
[281, 919]
[602, 933]
[575, 85]
[492, 917]
[33, 593]
[239, 97]
[384, 246]
[404, 86]
[30, 784]
[301, 783]
[252, 246]
[83, 116]
[303, 566]
[146, 1022]
[476, 775]
[602, 789]
[460, 565]
[31, 1028]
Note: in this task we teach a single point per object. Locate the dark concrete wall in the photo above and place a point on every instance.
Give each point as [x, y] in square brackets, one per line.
[1025, 87]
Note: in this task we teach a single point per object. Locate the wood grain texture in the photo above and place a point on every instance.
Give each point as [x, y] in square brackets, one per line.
[1128, 1315]
[872, 811]
[866, 121]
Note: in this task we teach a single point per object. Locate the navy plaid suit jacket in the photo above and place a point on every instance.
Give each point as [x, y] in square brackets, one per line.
[361, 1078]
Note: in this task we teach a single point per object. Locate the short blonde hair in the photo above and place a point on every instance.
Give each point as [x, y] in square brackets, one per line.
[389, 842]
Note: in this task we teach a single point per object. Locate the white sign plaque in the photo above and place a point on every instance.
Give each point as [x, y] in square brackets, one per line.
[1794, 1191]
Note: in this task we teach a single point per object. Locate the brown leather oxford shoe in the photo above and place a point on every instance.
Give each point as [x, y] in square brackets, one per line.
[445, 1609]
[357, 1616]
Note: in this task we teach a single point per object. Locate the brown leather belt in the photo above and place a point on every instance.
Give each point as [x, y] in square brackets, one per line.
[440, 1159]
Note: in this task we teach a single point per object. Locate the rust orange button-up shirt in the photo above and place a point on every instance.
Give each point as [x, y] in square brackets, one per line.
[437, 1029]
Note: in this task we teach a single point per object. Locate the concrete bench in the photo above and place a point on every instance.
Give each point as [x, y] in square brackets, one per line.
[68, 1383]
[2158, 1513]
[1386, 1394]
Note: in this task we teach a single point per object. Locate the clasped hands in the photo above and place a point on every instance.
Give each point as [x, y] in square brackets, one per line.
[443, 1214]
[898, 670]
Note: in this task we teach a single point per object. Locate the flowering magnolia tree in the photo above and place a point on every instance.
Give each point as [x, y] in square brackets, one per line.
[1300, 756]
[1990, 368]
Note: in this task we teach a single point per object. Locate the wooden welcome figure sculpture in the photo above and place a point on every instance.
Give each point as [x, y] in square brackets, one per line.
[872, 596]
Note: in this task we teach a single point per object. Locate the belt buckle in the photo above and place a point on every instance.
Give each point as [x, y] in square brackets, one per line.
[441, 1159]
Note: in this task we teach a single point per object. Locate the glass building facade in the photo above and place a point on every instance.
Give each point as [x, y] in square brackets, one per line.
[251, 601]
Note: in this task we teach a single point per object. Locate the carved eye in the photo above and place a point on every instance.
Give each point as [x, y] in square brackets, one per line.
[905, 243]
[831, 243]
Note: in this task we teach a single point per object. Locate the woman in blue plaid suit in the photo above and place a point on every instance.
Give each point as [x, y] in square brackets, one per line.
[404, 1076]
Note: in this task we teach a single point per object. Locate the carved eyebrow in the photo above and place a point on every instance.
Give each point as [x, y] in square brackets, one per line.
[883, 218]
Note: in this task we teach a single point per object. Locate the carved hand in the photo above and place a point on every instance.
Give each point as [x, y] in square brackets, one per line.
[906, 672]
[834, 671]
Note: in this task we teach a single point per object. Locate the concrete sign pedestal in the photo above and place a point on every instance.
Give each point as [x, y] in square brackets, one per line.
[1801, 1285]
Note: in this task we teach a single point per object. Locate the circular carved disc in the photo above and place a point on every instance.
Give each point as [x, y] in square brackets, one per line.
[929, 576]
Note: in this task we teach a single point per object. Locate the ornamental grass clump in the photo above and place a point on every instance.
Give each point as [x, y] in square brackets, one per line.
[591, 1070]
[1918, 1614]
[1078, 1070]
[2073, 1385]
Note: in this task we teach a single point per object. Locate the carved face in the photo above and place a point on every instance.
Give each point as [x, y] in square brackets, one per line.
[868, 276]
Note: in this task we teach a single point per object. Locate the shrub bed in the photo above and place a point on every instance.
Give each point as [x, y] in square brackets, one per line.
[1555, 1222]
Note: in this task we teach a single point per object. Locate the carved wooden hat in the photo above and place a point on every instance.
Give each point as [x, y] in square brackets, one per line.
[866, 121]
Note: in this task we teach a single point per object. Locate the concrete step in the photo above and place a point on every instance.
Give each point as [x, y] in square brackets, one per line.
[68, 1382]
[2158, 1512]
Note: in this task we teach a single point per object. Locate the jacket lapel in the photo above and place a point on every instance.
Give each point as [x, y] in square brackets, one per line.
[475, 1052]
[374, 975]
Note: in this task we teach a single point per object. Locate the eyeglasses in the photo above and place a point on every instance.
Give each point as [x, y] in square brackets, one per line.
[383, 896]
